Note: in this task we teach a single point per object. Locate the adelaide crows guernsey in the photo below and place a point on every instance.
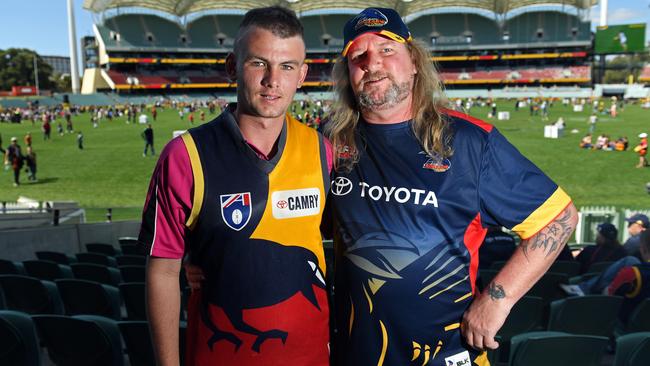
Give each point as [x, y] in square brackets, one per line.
[408, 229]
[254, 232]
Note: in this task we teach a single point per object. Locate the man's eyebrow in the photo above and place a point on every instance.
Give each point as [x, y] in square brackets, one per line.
[260, 58]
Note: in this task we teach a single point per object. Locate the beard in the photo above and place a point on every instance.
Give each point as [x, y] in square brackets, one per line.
[394, 93]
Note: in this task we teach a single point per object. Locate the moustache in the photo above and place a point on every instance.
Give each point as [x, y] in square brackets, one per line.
[374, 76]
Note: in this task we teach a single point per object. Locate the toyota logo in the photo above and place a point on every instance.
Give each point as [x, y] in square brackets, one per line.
[282, 204]
[341, 186]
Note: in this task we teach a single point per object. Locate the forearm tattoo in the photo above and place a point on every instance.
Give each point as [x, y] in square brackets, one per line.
[552, 237]
[496, 292]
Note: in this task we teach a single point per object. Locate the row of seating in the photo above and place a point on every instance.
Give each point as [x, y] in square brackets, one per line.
[559, 348]
[521, 74]
[75, 340]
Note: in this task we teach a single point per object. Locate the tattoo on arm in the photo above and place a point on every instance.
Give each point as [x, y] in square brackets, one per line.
[496, 292]
[552, 237]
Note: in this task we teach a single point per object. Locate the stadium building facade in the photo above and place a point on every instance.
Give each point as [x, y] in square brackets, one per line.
[479, 45]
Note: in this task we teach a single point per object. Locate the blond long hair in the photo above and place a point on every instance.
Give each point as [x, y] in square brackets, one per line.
[429, 126]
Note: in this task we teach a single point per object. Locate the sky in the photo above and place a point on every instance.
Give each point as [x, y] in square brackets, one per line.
[42, 25]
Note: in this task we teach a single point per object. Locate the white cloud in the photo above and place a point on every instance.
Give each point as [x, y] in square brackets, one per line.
[622, 15]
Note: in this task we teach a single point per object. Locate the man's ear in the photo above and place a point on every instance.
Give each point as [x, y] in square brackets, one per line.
[303, 74]
[231, 66]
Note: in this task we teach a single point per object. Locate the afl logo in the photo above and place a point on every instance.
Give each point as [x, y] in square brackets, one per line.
[282, 204]
[341, 186]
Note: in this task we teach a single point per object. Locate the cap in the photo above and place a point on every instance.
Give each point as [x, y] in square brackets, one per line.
[643, 135]
[608, 230]
[14, 138]
[383, 21]
[640, 219]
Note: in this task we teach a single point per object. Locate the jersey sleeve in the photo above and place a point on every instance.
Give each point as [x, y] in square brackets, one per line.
[515, 193]
[168, 203]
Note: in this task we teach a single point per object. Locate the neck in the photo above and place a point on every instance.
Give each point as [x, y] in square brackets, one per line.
[260, 132]
[398, 113]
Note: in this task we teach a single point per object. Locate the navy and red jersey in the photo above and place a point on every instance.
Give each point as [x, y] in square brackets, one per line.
[633, 283]
[253, 227]
[408, 227]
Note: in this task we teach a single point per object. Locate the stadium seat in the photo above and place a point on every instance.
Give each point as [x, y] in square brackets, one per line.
[96, 258]
[133, 249]
[133, 273]
[556, 348]
[570, 268]
[102, 248]
[89, 298]
[98, 273]
[137, 339]
[30, 295]
[47, 270]
[127, 240]
[633, 350]
[129, 260]
[81, 339]
[599, 267]
[592, 314]
[525, 316]
[133, 294]
[639, 320]
[18, 340]
[10, 267]
[57, 257]
[548, 286]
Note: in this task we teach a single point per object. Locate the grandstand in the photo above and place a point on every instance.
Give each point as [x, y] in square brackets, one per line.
[164, 48]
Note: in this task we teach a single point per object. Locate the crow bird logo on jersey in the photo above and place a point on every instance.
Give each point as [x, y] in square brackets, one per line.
[436, 163]
[236, 209]
[293, 270]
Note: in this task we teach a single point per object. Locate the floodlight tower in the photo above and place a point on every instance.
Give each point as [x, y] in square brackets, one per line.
[72, 39]
[603, 12]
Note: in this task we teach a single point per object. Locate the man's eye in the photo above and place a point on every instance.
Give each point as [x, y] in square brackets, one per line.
[257, 63]
[287, 67]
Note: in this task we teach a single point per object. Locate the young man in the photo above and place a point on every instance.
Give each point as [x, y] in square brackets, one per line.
[242, 198]
[147, 136]
[414, 189]
[15, 159]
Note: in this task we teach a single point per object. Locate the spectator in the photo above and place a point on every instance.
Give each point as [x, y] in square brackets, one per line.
[607, 248]
[592, 122]
[30, 159]
[636, 224]
[147, 135]
[28, 139]
[80, 140]
[642, 150]
[585, 143]
[631, 281]
[14, 158]
[47, 128]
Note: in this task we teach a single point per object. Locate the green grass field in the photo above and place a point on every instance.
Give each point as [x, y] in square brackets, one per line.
[111, 172]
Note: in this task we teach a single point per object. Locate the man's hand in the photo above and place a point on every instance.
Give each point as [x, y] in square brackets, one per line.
[489, 310]
[485, 317]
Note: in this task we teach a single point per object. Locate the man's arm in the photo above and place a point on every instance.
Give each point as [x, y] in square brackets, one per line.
[529, 262]
[163, 308]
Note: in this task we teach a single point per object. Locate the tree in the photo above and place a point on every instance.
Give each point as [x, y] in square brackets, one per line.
[620, 67]
[17, 69]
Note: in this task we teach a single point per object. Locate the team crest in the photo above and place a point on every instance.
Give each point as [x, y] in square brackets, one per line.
[436, 163]
[236, 209]
[370, 18]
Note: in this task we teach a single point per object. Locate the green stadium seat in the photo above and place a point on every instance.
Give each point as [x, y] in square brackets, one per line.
[133, 273]
[30, 295]
[556, 348]
[126, 260]
[98, 273]
[58, 257]
[570, 268]
[47, 270]
[81, 297]
[11, 267]
[81, 339]
[639, 320]
[102, 248]
[133, 294]
[525, 316]
[96, 258]
[592, 314]
[18, 340]
[633, 350]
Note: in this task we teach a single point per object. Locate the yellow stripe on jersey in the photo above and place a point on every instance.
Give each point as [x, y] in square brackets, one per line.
[452, 327]
[637, 286]
[197, 173]
[482, 359]
[299, 167]
[543, 215]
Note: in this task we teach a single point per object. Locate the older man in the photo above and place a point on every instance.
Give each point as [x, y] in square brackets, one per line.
[415, 187]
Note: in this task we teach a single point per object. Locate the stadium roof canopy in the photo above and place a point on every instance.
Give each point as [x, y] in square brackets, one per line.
[405, 7]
